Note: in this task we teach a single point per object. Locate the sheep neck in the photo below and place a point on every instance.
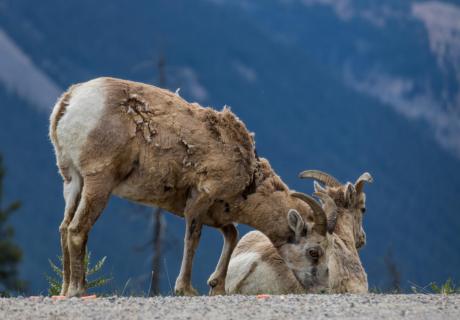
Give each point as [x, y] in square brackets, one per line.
[266, 210]
[273, 224]
[344, 230]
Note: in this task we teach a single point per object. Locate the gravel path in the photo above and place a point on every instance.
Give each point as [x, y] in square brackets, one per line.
[372, 306]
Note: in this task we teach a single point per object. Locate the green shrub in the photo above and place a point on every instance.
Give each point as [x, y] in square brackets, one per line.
[55, 283]
[10, 253]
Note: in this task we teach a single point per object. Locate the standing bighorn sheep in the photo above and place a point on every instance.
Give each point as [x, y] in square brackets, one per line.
[256, 267]
[148, 145]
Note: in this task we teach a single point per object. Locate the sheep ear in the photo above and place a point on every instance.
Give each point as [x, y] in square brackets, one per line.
[350, 194]
[295, 222]
[318, 187]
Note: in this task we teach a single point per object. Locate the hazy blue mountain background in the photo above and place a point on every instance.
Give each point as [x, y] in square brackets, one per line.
[332, 85]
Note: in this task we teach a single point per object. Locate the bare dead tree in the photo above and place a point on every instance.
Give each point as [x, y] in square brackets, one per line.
[158, 224]
[393, 272]
[157, 251]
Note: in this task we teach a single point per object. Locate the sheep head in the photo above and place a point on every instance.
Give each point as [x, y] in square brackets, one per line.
[349, 198]
[305, 251]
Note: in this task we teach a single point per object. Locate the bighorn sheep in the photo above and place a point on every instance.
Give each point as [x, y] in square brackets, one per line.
[255, 266]
[148, 145]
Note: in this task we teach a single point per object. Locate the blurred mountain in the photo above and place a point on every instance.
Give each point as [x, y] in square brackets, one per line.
[333, 85]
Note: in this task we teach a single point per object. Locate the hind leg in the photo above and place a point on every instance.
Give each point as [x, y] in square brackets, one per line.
[217, 279]
[94, 197]
[72, 190]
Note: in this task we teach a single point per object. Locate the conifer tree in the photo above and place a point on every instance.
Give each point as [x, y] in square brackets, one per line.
[10, 253]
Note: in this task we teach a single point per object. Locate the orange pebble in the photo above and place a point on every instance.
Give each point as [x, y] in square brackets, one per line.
[89, 297]
[263, 296]
[58, 297]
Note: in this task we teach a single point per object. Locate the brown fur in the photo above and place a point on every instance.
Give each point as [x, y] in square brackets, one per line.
[167, 135]
[153, 147]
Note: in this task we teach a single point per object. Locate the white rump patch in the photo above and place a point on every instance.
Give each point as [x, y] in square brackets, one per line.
[82, 115]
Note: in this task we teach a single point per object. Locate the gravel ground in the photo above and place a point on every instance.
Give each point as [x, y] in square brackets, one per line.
[372, 306]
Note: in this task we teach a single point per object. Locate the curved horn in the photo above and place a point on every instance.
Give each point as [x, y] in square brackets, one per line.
[323, 177]
[318, 212]
[330, 208]
[359, 184]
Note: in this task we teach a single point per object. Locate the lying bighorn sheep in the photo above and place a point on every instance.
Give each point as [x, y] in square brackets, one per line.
[255, 266]
[148, 145]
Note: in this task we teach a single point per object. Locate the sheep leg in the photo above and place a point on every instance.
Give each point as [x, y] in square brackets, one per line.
[72, 190]
[95, 195]
[217, 279]
[196, 206]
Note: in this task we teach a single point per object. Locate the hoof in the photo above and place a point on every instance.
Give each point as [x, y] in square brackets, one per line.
[64, 289]
[190, 292]
[74, 292]
[217, 287]
[213, 282]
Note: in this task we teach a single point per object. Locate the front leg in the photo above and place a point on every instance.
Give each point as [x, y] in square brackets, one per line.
[217, 279]
[197, 205]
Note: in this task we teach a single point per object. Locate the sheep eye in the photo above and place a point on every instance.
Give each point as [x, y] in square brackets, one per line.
[363, 210]
[313, 253]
